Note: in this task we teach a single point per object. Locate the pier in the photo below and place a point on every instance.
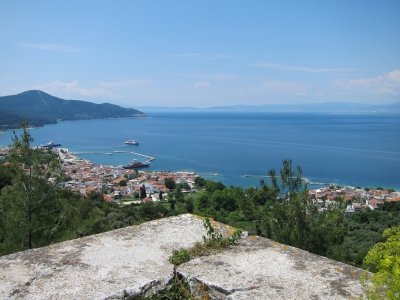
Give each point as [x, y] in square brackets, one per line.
[216, 174]
[77, 153]
[150, 158]
[257, 176]
[304, 179]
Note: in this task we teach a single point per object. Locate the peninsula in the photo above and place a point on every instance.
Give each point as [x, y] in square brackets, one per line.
[40, 108]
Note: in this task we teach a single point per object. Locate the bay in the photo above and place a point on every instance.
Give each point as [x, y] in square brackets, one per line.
[356, 150]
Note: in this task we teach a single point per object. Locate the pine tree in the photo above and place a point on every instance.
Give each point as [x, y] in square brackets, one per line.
[284, 212]
[29, 208]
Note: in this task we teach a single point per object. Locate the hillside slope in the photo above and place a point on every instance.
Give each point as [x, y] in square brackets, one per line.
[40, 108]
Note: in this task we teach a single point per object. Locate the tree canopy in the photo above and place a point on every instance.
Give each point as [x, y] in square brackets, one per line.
[384, 260]
[285, 213]
[170, 183]
[29, 206]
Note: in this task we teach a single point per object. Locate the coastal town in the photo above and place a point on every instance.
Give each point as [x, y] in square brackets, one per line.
[114, 182]
[117, 183]
[124, 185]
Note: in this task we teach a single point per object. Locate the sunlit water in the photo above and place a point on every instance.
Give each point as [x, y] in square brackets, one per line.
[345, 150]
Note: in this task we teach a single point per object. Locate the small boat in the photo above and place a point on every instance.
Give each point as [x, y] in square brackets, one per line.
[51, 144]
[134, 164]
[131, 142]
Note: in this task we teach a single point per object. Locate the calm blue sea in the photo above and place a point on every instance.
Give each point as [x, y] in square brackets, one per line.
[342, 149]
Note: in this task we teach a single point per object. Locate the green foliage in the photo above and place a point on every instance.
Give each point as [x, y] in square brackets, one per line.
[29, 207]
[214, 240]
[149, 211]
[179, 256]
[225, 199]
[384, 260]
[48, 157]
[143, 192]
[365, 229]
[178, 195]
[5, 176]
[10, 121]
[170, 183]
[204, 200]
[293, 218]
[67, 178]
[185, 186]
[199, 181]
[189, 205]
[172, 204]
[212, 186]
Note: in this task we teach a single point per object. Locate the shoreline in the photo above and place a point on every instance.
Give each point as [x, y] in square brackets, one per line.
[186, 148]
[219, 175]
[70, 157]
[139, 116]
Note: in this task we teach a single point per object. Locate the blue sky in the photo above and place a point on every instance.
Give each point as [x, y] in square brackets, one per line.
[202, 53]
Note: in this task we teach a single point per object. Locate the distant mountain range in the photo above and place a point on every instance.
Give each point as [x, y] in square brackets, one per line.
[327, 107]
[40, 108]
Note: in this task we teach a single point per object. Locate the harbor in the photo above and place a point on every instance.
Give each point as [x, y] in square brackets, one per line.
[150, 158]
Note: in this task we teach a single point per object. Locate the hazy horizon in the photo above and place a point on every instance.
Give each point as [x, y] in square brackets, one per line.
[202, 53]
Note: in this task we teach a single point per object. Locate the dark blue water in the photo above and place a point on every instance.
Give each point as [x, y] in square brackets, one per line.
[345, 150]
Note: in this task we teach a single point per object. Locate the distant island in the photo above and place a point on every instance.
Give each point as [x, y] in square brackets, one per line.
[40, 108]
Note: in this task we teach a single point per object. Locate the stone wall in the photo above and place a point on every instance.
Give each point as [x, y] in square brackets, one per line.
[134, 260]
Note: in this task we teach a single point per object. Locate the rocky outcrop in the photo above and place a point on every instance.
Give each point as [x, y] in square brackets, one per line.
[259, 268]
[134, 261]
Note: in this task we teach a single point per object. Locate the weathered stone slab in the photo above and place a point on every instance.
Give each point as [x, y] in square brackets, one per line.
[259, 268]
[110, 265]
[134, 260]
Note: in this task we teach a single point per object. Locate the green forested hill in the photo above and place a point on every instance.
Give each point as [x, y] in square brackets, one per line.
[11, 121]
[40, 108]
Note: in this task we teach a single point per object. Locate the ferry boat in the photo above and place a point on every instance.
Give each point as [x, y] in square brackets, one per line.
[51, 144]
[134, 164]
[131, 142]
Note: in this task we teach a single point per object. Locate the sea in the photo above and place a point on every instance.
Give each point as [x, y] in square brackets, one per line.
[346, 150]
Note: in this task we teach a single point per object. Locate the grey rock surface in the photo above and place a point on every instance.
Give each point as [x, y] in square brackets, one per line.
[259, 268]
[123, 262]
[134, 260]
